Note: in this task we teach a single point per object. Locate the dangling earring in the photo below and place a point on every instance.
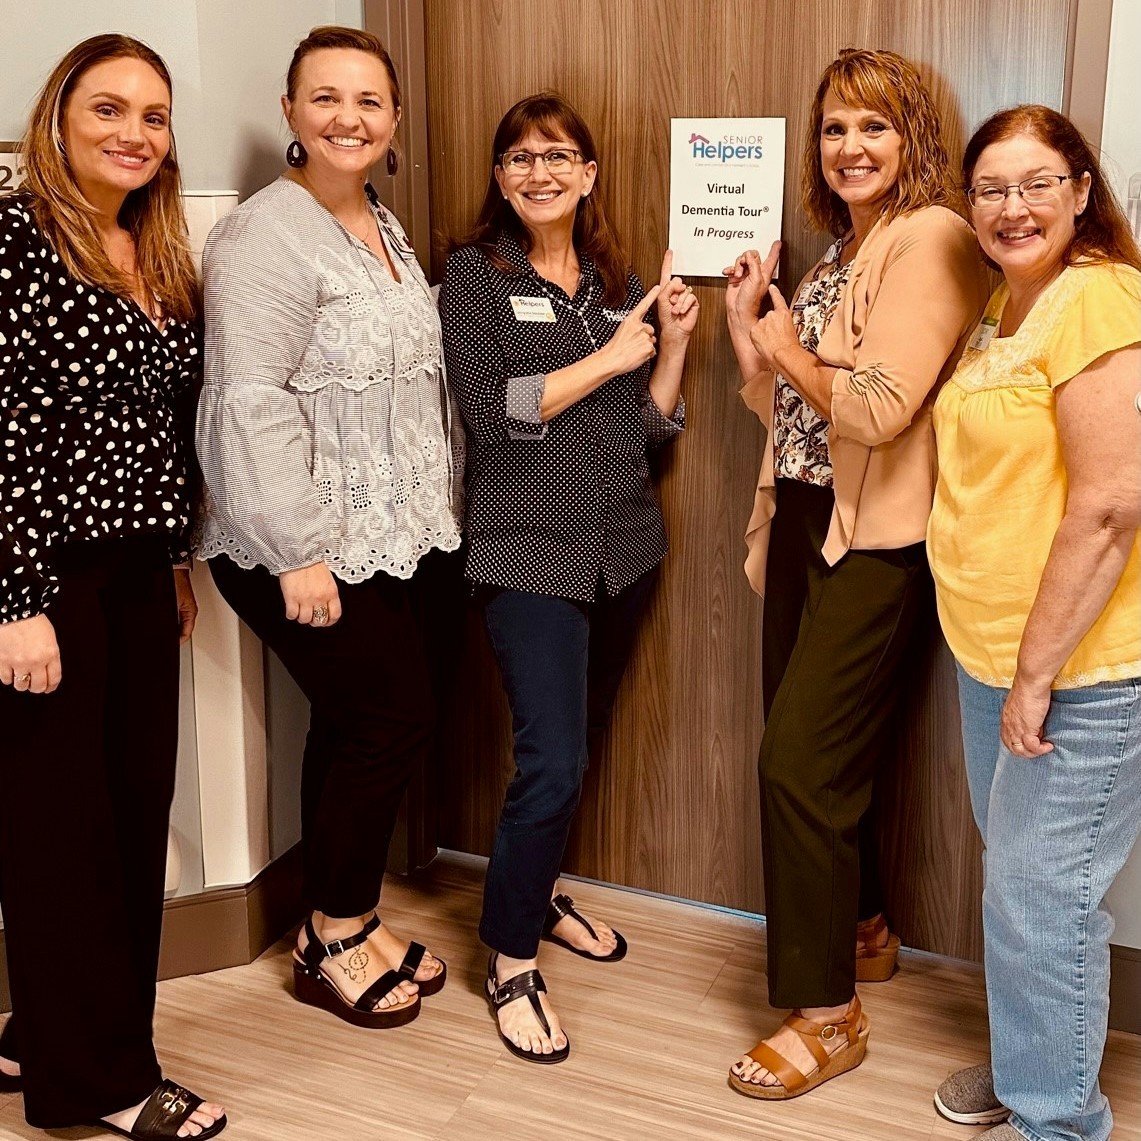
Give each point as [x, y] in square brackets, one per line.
[392, 161]
[296, 155]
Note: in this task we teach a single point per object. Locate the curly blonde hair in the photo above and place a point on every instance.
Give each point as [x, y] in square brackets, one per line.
[884, 82]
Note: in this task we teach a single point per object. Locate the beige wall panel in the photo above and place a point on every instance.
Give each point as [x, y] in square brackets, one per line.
[671, 805]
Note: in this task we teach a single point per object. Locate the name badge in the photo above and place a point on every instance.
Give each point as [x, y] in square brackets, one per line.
[532, 309]
[983, 334]
[616, 314]
[803, 297]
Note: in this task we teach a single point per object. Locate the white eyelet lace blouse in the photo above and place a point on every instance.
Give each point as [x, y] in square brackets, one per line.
[325, 430]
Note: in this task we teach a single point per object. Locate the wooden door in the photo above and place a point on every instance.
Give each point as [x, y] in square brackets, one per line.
[671, 806]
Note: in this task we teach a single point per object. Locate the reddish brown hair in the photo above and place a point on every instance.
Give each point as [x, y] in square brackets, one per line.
[1101, 232]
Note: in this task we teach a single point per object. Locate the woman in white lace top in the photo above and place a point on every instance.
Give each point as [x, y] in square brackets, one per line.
[331, 457]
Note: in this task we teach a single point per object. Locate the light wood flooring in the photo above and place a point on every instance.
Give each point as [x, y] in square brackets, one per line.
[651, 1040]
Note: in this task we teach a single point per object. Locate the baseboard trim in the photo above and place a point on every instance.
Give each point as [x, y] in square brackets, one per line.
[232, 926]
[1125, 988]
[227, 927]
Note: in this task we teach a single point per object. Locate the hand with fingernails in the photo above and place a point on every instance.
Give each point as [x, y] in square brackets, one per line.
[677, 306]
[310, 595]
[634, 341]
[1023, 726]
[774, 331]
[749, 279]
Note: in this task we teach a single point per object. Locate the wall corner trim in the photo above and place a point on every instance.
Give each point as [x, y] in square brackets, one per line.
[227, 927]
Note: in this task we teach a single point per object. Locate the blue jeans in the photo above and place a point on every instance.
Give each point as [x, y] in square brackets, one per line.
[561, 662]
[1057, 830]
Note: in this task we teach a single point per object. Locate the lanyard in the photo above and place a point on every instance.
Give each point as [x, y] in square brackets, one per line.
[578, 310]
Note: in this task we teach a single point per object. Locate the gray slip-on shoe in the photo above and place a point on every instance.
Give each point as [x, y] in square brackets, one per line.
[1001, 1133]
[967, 1097]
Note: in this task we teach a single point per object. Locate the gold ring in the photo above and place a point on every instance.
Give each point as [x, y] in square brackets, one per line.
[19, 679]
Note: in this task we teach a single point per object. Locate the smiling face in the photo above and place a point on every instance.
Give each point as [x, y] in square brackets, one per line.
[343, 111]
[1027, 242]
[859, 157]
[542, 200]
[116, 128]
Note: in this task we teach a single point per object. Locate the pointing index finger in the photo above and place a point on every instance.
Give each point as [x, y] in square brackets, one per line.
[643, 307]
[777, 298]
[667, 267]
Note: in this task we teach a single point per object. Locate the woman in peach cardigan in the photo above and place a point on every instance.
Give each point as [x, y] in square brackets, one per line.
[843, 384]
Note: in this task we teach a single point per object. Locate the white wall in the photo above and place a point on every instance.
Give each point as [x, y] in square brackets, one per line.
[1121, 149]
[228, 59]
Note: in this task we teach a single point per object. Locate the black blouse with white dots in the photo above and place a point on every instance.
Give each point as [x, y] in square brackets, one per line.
[96, 404]
[555, 507]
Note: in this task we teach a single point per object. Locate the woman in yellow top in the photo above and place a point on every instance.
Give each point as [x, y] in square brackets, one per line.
[1033, 542]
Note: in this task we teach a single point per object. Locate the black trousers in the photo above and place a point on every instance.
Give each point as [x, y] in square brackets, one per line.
[832, 697]
[85, 790]
[370, 724]
[562, 663]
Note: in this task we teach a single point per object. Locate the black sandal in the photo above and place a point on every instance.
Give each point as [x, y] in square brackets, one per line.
[530, 985]
[312, 985]
[11, 1083]
[562, 906]
[412, 960]
[163, 1114]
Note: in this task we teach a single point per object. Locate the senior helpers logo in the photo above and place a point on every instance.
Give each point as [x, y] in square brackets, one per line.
[727, 149]
[726, 190]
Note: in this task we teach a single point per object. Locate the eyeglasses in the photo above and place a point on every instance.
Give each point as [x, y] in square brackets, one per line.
[558, 161]
[1033, 191]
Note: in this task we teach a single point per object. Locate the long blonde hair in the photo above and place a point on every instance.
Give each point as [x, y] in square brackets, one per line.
[152, 214]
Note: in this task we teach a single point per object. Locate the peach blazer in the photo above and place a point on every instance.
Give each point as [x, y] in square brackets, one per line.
[915, 292]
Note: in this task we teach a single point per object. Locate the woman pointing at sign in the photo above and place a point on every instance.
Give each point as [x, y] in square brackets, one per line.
[844, 383]
[563, 387]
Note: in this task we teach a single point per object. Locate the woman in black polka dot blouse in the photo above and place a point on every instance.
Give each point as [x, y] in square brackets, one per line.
[554, 368]
[98, 364]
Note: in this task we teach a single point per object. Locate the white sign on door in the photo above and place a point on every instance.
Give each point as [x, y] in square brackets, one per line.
[726, 190]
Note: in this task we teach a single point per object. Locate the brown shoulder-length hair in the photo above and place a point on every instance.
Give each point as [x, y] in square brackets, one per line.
[552, 117]
[885, 82]
[152, 214]
[1101, 231]
[335, 36]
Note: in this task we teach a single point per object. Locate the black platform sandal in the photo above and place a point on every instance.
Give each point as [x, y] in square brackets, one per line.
[530, 985]
[562, 906]
[163, 1114]
[412, 960]
[311, 985]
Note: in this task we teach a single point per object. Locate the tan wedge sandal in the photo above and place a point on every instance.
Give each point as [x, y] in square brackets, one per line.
[875, 964]
[813, 1034]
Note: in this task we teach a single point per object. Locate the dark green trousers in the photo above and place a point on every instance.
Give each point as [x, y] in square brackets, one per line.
[839, 646]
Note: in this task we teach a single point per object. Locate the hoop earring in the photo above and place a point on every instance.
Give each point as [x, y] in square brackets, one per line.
[296, 155]
[391, 161]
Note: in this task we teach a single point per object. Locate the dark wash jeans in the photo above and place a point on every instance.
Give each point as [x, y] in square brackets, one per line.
[561, 663]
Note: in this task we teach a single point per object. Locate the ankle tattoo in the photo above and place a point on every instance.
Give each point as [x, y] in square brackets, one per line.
[357, 966]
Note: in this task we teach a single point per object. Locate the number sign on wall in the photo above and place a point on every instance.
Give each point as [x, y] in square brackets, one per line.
[11, 168]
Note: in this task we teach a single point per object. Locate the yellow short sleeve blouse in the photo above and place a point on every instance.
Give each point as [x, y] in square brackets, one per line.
[1001, 491]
